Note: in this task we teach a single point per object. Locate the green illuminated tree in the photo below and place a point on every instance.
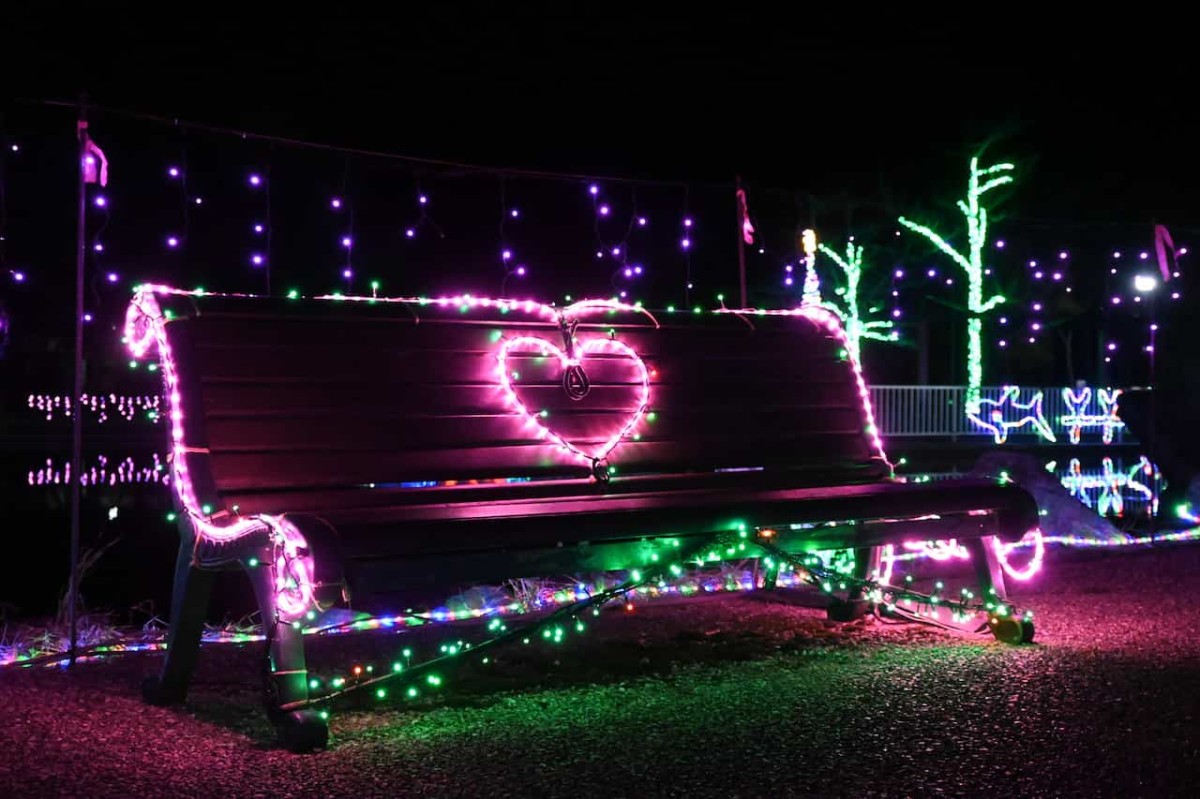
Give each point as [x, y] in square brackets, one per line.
[972, 264]
[857, 328]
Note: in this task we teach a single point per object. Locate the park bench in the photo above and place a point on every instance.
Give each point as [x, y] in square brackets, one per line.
[342, 448]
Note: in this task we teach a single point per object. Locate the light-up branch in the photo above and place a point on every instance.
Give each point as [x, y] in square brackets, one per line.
[972, 265]
[856, 328]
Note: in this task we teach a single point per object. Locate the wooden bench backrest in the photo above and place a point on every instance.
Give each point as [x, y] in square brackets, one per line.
[280, 397]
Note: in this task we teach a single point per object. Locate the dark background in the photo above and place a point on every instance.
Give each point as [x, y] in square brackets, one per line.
[836, 124]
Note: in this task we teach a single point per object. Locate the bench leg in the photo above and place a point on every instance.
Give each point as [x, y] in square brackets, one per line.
[856, 605]
[286, 677]
[189, 603]
[990, 574]
[770, 574]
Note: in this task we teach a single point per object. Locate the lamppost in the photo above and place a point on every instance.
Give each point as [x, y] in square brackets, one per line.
[1147, 286]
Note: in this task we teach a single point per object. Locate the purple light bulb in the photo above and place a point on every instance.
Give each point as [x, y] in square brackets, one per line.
[112, 277]
[423, 199]
[1143, 255]
[98, 247]
[641, 221]
[199, 201]
[1000, 244]
[256, 259]
[1112, 346]
[687, 221]
[899, 273]
[1057, 275]
[521, 271]
[101, 201]
[173, 171]
[347, 273]
[347, 242]
[1037, 306]
[593, 189]
[514, 213]
[335, 203]
[1032, 264]
[787, 281]
[616, 251]
[87, 317]
[258, 228]
[895, 313]
[637, 270]
[931, 273]
[686, 244]
[19, 277]
[1116, 254]
[604, 209]
[410, 233]
[628, 272]
[1062, 256]
[255, 179]
[172, 241]
[1003, 343]
[506, 255]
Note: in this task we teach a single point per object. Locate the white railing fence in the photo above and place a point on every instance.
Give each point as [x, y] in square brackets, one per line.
[941, 411]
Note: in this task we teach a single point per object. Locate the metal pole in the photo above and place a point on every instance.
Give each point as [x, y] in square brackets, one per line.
[741, 242]
[76, 411]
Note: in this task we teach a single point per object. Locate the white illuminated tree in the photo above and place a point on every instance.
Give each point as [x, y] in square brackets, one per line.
[972, 264]
[856, 327]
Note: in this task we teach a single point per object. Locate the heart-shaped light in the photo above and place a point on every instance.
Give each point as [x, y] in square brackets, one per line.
[538, 347]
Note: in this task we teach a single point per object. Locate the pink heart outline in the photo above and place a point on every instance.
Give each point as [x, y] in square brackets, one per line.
[533, 345]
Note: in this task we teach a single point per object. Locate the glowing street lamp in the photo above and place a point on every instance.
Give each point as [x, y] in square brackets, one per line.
[1144, 284]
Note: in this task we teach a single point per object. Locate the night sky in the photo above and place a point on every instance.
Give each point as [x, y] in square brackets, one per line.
[1101, 120]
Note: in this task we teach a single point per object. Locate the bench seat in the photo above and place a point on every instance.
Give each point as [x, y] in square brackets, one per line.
[340, 448]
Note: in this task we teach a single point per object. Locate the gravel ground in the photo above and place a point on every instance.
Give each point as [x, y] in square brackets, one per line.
[734, 696]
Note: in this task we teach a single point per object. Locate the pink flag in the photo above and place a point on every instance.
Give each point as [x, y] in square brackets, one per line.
[747, 228]
[1162, 245]
[95, 165]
